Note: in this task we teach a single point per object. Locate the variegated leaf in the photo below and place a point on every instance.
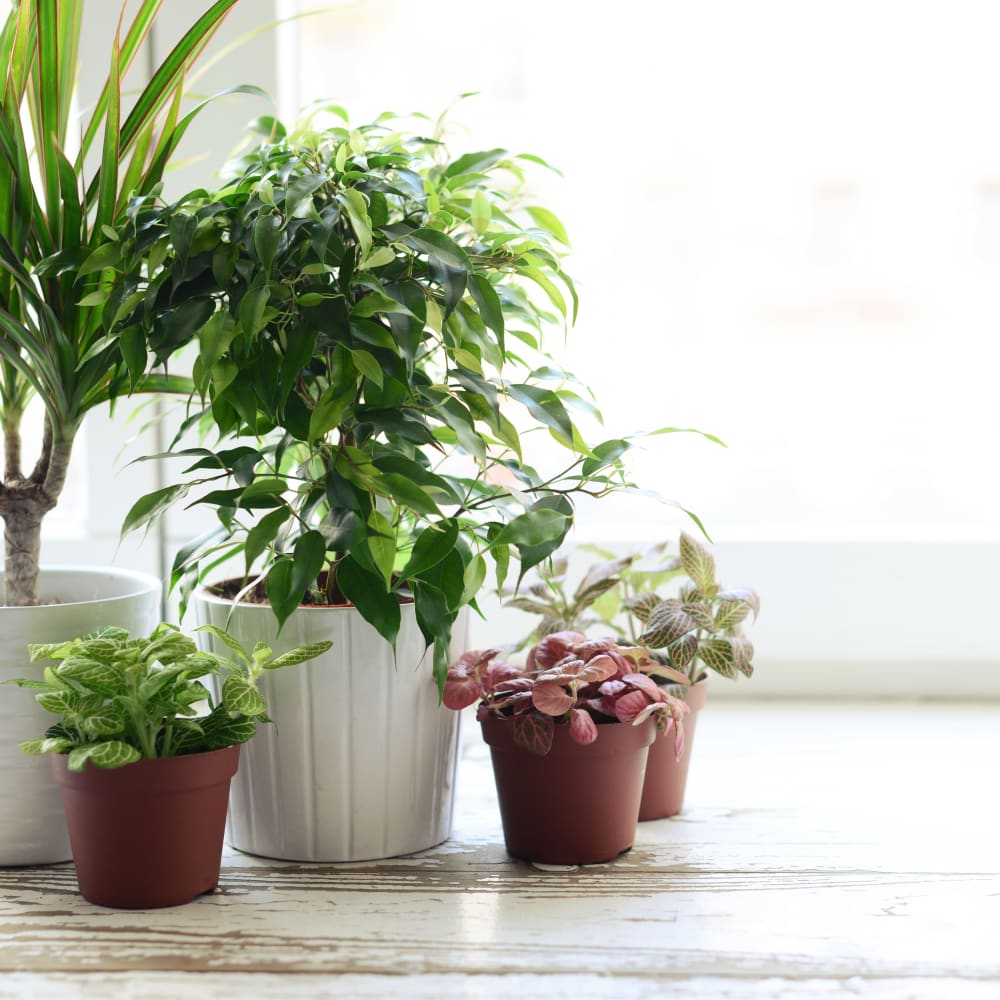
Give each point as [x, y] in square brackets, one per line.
[742, 655]
[641, 605]
[240, 697]
[96, 675]
[718, 655]
[698, 563]
[534, 733]
[299, 655]
[747, 596]
[689, 593]
[48, 745]
[730, 613]
[551, 698]
[628, 706]
[702, 615]
[108, 721]
[669, 673]
[532, 607]
[107, 755]
[62, 702]
[230, 641]
[587, 598]
[683, 651]
[582, 728]
[667, 621]
[599, 579]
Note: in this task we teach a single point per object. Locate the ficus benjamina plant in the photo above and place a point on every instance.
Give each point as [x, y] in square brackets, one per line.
[121, 699]
[568, 680]
[368, 309]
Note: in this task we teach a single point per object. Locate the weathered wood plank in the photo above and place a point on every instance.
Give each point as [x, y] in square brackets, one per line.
[826, 850]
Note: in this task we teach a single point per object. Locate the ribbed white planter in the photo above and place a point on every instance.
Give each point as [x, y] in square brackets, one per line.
[360, 761]
[75, 601]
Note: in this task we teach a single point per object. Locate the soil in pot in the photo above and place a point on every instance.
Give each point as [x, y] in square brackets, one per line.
[666, 776]
[576, 805]
[148, 834]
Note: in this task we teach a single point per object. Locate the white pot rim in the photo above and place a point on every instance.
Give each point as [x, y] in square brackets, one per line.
[137, 583]
[204, 594]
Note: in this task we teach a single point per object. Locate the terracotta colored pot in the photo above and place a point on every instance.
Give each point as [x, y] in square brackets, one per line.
[148, 834]
[576, 805]
[666, 777]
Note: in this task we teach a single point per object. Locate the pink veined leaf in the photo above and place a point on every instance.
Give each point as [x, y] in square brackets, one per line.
[645, 684]
[513, 704]
[600, 668]
[597, 705]
[550, 650]
[534, 733]
[473, 661]
[497, 673]
[612, 688]
[460, 690]
[654, 708]
[514, 684]
[628, 706]
[589, 648]
[582, 728]
[679, 740]
[552, 699]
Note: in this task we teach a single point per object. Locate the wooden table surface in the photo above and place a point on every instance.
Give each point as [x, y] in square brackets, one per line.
[832, 849]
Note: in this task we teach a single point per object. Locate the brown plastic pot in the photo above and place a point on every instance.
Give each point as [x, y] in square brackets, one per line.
[148, 834]
[666, 776]
[577, 805]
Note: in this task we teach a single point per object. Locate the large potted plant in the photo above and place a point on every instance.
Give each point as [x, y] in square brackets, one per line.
[145, 778]
[65, 186]
[569, 733]
[371, 358]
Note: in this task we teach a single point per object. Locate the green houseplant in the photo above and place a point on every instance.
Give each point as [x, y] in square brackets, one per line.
[143, 775]
[569, 734]
[371, 357]
[65, 186]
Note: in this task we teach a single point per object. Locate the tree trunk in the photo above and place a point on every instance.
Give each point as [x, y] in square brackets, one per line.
[23, 504]
[22, 544]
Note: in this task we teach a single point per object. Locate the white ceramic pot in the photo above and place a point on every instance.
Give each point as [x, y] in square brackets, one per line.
[75, 601]
[360, 761]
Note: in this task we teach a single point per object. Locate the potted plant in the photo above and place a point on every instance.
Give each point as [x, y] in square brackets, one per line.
[569, 734]
[144, 777]
[371, 358]
[699, 629]
[65, 185]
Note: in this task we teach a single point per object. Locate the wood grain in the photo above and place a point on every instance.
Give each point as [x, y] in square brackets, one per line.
[827, 850]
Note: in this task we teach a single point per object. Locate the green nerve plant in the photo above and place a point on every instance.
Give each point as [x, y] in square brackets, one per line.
[121, 699]
[64, 188]
[370, 351]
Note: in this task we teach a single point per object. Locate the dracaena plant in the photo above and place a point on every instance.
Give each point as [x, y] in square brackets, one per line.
[64, 188]
[568, 680]
[701, 626]
[121, 699]
[368, 309]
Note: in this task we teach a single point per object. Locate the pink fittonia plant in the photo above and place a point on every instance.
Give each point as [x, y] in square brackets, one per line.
[569, 680]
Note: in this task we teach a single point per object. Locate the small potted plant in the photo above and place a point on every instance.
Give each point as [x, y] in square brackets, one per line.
[569, 734]
[697, 630]
[144, 777]
[368, 307]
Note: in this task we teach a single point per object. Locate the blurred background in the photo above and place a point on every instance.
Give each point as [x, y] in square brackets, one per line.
[785, 220]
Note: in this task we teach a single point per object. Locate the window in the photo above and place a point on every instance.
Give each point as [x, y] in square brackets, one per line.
[786, 228]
